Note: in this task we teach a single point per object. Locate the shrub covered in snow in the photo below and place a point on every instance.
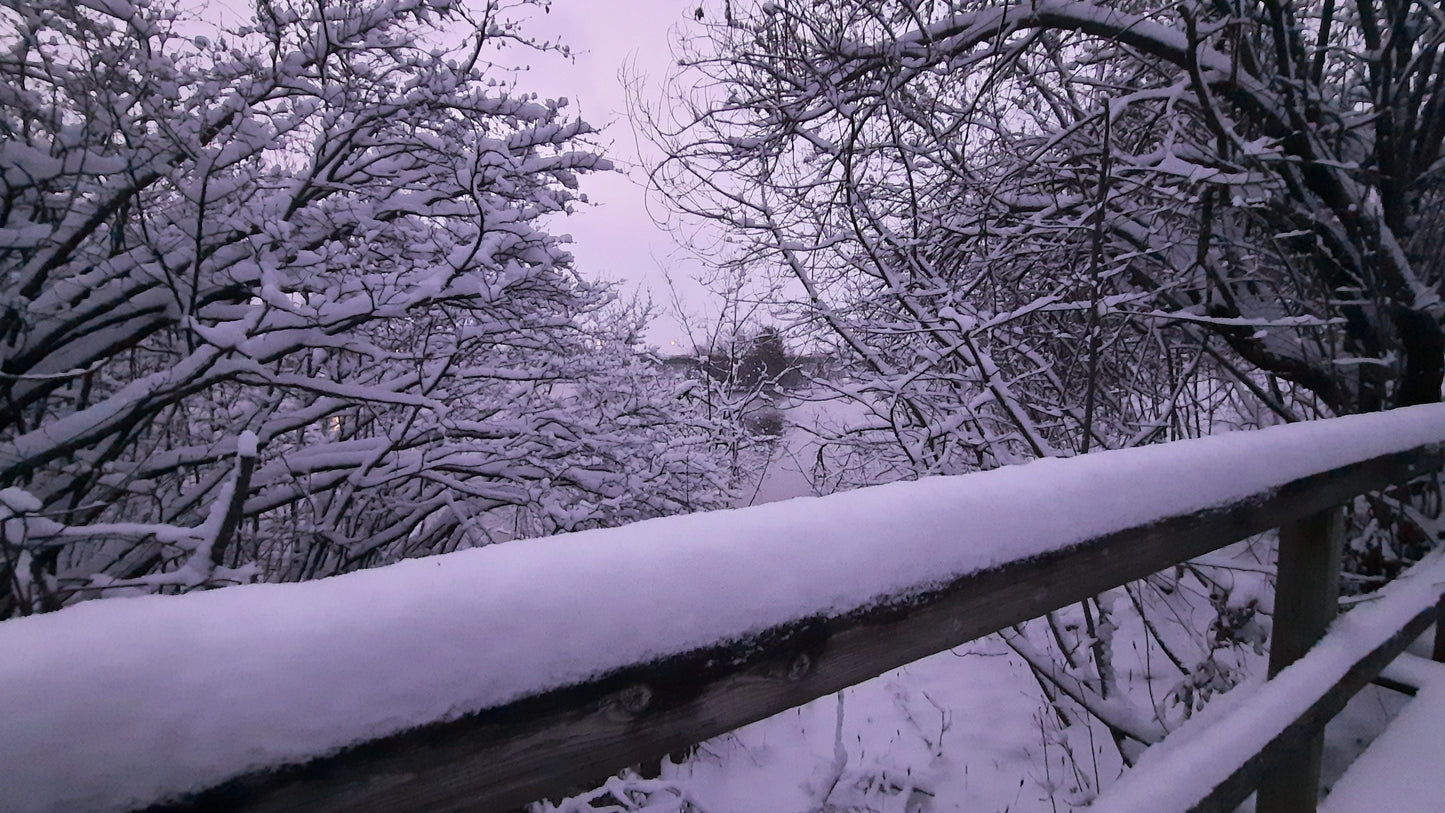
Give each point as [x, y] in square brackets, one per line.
[323, 231]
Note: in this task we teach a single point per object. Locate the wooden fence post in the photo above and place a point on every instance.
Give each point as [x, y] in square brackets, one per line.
[1307, 596]
[1439, 651]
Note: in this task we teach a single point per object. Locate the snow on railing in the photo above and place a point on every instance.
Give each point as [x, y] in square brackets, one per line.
[494, 676]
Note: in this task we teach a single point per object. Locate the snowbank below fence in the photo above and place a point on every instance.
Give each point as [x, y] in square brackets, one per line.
[120, 702]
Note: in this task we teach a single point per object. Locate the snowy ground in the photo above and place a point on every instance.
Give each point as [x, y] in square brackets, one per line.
[1403, 764]
[962, 730]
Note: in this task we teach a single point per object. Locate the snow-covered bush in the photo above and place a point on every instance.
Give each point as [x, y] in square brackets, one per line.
[1034, 231]
[325, 228]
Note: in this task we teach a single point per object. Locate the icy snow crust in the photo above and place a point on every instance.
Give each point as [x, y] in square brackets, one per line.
[125, 701]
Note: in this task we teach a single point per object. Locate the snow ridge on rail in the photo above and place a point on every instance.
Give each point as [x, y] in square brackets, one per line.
[126, 701]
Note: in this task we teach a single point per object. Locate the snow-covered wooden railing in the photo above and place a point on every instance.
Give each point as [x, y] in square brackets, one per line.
[487, 678]
[1269, 736]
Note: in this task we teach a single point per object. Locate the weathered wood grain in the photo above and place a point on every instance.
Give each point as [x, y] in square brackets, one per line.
[1306, 600]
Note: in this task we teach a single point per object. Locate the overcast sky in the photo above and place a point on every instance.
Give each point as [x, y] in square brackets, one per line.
[615, 238]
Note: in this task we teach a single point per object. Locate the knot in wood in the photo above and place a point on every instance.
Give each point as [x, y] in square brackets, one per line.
[800, 666]
[634, 699]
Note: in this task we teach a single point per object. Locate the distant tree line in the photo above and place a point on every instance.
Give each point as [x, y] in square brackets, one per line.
[760, 360]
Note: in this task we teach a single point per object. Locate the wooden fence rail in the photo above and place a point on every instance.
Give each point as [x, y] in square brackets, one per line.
[558, 740]
[502, 758]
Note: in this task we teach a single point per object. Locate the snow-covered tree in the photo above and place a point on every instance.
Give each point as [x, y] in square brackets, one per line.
[748, 362]
[1047, 227]
[280, 301]
[1041, 228]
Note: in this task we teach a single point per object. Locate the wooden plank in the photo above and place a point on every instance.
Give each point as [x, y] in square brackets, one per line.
[1396, 686]
[1218, 763]
[501, 758]
[1307, 585]
[1307, 598]
[1229, 794]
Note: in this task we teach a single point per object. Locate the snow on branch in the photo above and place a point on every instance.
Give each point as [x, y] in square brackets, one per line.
[325, 231]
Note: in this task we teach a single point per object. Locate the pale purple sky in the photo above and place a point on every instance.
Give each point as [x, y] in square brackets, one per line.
[616, 238]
